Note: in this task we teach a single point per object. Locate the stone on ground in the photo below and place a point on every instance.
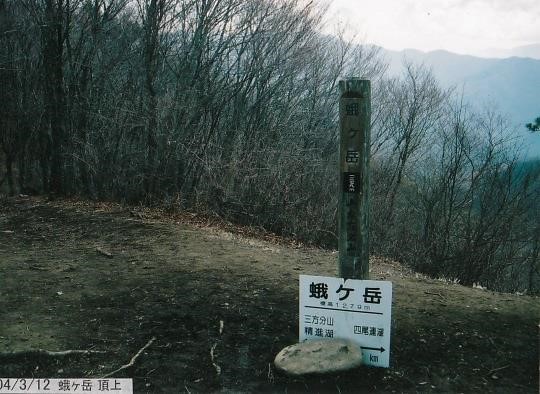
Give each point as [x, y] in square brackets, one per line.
[321, 356]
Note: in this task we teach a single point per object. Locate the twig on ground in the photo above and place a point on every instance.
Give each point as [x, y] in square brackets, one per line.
[104, 252]
[133, 359]
[437, 294]
[270, 374]
[497, 370]
[217, 367]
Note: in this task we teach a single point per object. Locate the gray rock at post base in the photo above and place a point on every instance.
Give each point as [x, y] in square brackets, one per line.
[322, 356]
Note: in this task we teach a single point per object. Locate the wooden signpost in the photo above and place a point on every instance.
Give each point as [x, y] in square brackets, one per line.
[355, 118]
[351, 307]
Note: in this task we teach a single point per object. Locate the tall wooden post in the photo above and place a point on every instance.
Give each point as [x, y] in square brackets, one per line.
[355, 118]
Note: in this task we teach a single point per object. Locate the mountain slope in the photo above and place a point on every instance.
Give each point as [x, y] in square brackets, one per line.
[511, 86]
[532, 51]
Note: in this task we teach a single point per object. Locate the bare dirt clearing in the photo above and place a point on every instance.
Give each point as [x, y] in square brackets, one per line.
[60, 289]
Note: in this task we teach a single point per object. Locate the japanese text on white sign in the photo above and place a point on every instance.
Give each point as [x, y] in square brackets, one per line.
[357, 310]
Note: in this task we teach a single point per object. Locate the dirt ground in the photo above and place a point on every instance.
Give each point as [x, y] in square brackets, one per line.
[176, 278]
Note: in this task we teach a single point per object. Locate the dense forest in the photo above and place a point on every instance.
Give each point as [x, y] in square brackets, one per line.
[230, 107]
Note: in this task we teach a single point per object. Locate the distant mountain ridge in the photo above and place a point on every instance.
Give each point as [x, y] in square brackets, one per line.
[510, 85]
[532, 51]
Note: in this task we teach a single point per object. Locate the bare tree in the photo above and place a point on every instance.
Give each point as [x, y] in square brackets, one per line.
[54, 23]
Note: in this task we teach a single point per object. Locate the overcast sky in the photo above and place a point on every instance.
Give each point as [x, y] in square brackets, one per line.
[462, 26]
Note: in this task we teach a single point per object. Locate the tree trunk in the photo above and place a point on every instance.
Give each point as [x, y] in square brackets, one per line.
[52, 32]
[9, 175]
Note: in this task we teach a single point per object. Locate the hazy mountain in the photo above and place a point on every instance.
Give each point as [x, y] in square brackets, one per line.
[532, 51]
[511, 85]
[527, 51]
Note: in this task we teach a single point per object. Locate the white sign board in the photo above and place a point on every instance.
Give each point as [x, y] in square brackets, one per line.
[357, 310]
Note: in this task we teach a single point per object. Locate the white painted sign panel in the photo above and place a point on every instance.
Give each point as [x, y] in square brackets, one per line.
[357, 310]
